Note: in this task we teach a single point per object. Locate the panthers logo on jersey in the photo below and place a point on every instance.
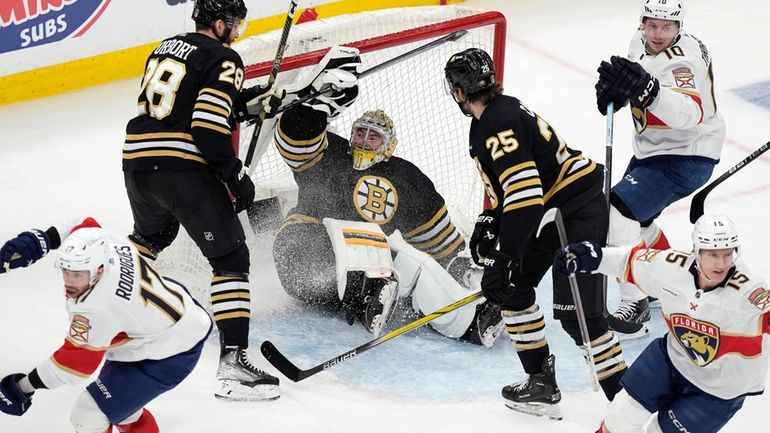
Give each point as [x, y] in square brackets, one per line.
[375, 198]
[640, 119]
[700, 339]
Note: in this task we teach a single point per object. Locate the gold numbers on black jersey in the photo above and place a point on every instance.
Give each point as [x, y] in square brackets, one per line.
[502, 143]
[231, 74]
[149, 295]
[547, 132]
[160, 84]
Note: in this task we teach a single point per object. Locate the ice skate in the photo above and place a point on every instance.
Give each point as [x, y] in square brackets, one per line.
[373, 305]
[538, 394]
[628, 320]
[487, 326]
[240, 380]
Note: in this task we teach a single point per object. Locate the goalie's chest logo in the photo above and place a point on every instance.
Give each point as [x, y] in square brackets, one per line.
[375, 198]
[698, 338]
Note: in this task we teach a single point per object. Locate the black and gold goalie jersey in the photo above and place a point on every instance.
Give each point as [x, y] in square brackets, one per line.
[187, 93]
[527, 168]
[394, 194]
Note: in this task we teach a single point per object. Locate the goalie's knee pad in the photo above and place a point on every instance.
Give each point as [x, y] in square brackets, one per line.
[86, 417]
[433, 288]
[235, 262]
[150, 245]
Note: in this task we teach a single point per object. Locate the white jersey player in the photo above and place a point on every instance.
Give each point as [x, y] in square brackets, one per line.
[716, 350]
[677, 140]
[148, 328]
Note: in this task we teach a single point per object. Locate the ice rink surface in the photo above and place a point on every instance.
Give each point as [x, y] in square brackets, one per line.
[59, 157]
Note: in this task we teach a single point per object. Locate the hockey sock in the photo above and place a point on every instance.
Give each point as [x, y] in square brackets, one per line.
[526, 330]
[231, 305]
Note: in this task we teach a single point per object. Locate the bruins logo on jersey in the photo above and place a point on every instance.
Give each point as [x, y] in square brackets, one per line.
[699, 339]
[375, 198]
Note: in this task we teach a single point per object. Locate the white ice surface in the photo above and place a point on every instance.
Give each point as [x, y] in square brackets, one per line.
[59, 157]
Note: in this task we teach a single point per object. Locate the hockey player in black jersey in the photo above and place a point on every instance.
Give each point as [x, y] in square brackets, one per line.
[179, 165]
[360, 180]
[527, 168]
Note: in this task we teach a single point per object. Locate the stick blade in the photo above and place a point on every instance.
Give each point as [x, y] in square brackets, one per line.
[276, 358]
[696, 205]
[548, 217]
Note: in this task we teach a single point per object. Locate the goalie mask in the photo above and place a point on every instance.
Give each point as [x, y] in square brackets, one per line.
[86, 249]
[232, 12]
[372, 139]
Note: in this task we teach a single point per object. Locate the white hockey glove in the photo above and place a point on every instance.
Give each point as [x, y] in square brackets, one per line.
[336, 76]
[251, 102]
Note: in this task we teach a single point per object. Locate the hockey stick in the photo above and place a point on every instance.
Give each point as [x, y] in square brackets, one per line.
[608, 183]
[448, 38]
[295, 374]
[696, 205]
[271, 79]
[554, 215]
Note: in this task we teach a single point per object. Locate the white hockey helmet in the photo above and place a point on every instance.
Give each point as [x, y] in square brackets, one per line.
[713, 232]
[663, 10]
[85, 249]
[364, 156]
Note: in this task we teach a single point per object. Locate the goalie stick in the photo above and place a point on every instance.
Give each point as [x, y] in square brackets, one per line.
[295, 374]
[698, 200]
[271, 79]
[395, 60]
[554, 215]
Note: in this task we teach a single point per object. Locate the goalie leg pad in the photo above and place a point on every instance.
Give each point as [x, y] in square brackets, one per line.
[433, 289]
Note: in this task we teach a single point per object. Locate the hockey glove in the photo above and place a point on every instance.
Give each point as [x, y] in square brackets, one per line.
[603, 94]
[634, 82]
[252, 101]
[240, 185]
[13, 400]
[24, 249]
[484, 237]
[496, 281]
[581, 257]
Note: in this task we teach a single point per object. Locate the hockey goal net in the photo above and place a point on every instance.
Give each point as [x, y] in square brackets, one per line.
[431, 130]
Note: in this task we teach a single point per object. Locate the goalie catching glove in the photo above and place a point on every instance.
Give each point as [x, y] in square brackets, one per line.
[251, 102]
[335, 79]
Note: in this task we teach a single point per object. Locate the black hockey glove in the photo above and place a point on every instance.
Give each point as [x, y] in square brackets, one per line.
[484, 237]
[252, 101]
[240, 185]
[496, 281]
[603, 94]
[13, 400]
[581, 257]
[23, 250]
[632, 82]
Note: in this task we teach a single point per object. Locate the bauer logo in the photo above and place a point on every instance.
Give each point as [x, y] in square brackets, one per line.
[30, 23]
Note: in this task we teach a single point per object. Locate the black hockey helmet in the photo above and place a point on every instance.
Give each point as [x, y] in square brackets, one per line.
[207, 12]
[471, 70]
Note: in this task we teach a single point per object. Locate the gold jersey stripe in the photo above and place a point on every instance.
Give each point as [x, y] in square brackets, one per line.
[310, 163]
[535, 181]
[301, 143]
[213, 127]
[516, 168]
[217, 93]
[159, 135]
[299, 157]
[211, 107]
[450, 249]
[428, 225]
[518, 205]
[572, 178]
[163, 153]
[441, 237]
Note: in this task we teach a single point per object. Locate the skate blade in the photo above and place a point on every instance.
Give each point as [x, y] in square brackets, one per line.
[641, 333]
[235, 391]
[552, 411]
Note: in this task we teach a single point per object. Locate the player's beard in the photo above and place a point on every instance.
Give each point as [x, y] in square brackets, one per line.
[465, 108]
